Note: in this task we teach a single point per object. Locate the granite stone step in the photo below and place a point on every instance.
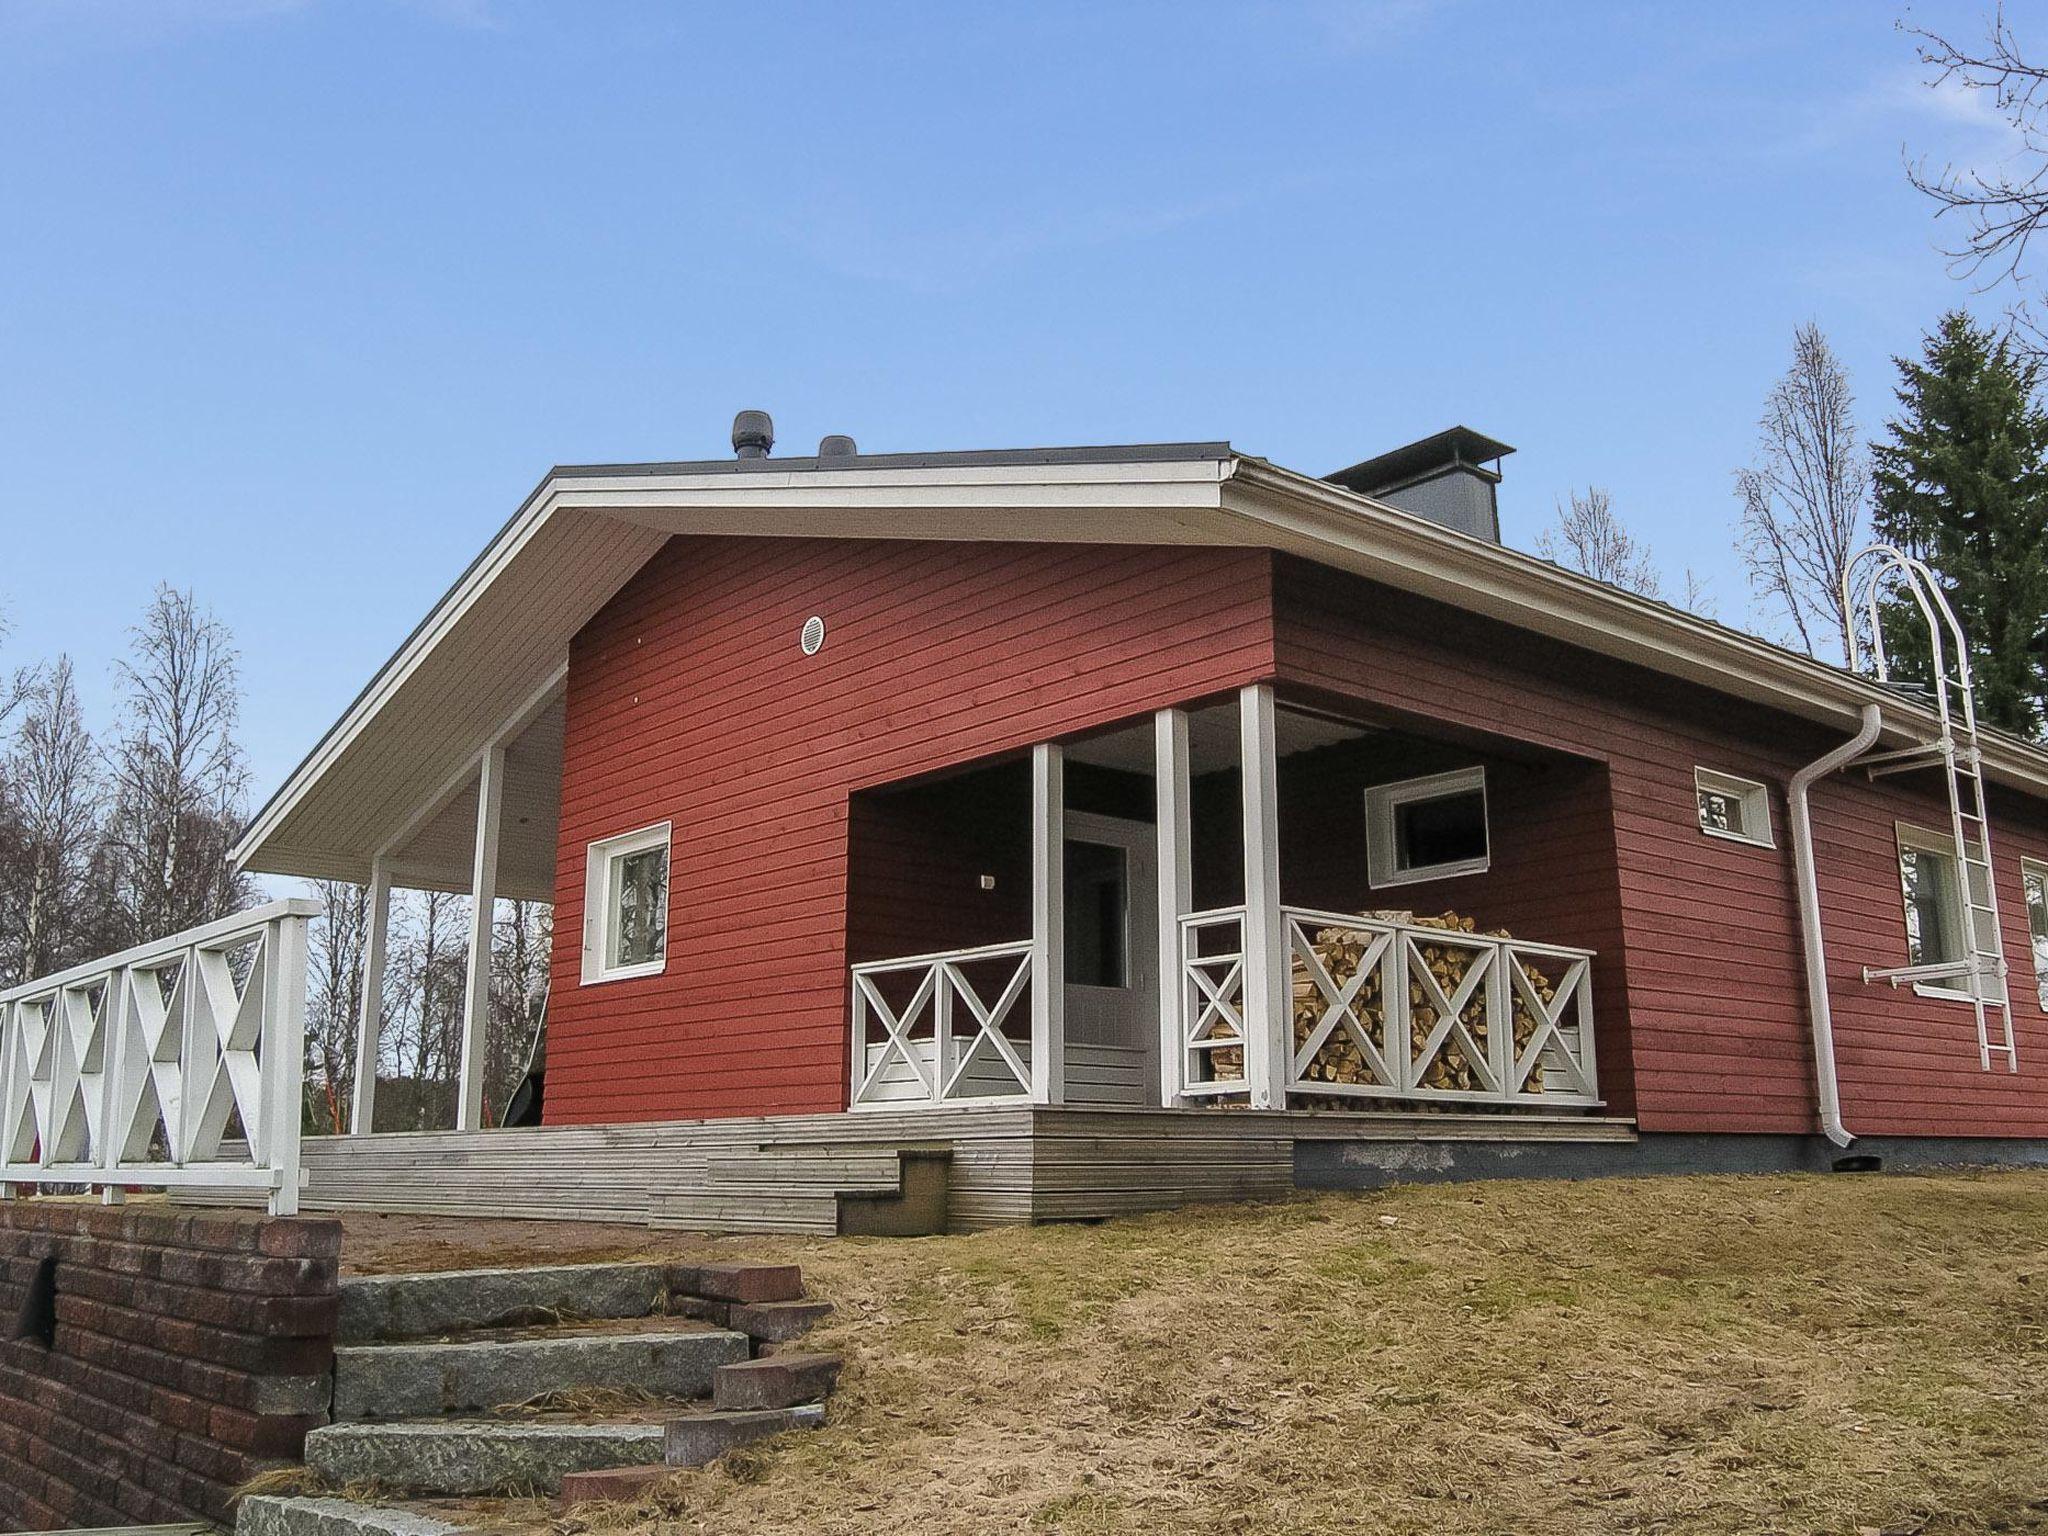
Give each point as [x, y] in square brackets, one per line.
[695, 1439]
[403, 1381]
[461, 1456]
[777, 1322]
[385, 1307]
[774, 1381]
[264, 1515]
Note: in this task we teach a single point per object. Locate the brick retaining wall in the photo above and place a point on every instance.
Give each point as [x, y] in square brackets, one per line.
[189, 1350]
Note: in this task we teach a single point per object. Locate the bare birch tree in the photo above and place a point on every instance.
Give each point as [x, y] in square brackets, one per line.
[1590, 537]
[334, 1000]
[1805, 502]
[53, 795]
[177, 773]
[519, 984]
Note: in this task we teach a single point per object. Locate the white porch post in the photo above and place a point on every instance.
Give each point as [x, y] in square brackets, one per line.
[1048, 924]
[1171, 788]
[370, 1020]
[476, 1006]
[1269, 1050]
[284, 1016]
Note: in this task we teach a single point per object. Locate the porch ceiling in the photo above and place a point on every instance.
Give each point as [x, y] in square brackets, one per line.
[1212, 740]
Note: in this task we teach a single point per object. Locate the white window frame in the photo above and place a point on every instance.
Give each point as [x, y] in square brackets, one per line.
[1927, 840]
[2034, 870]
[1753, 795]
[1382, 849]
[597, 902]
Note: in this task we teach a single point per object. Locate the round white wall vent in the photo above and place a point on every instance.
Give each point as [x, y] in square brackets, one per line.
[813, 637]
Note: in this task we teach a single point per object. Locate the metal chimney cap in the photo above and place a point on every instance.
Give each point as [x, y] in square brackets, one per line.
[753, 434]
[837, 446]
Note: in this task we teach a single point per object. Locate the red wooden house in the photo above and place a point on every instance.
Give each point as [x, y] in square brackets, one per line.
[1045, 807]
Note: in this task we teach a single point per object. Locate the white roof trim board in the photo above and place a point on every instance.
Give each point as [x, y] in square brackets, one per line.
[503, 630]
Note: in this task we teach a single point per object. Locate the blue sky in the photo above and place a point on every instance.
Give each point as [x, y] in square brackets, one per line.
[298, 298]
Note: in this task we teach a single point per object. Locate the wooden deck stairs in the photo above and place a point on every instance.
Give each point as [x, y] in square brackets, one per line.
[829, 1191]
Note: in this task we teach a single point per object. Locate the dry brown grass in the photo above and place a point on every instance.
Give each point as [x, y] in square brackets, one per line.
[1826, 1354]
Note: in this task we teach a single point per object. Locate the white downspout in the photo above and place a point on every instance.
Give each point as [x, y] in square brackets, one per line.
[1809, 919]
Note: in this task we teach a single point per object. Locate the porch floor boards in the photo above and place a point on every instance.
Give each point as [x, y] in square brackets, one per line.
[1010, 1163]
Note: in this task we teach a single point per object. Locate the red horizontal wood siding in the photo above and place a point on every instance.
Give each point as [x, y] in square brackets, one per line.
[1709, 983]
[689, 701]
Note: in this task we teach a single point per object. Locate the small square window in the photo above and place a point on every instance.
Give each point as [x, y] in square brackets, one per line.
[1737, 809]
[1426, 829]
[625, 924]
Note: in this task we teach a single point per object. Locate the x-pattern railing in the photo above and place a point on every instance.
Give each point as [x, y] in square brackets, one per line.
[924, 1033]
[136, 1068]
[1213, 1030]
[1463, 989]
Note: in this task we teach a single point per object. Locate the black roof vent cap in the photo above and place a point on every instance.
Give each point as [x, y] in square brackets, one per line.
[753, 434]
[837, 446]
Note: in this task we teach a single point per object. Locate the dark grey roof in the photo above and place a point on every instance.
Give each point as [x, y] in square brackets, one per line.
[1455, 445]
[1133, 453]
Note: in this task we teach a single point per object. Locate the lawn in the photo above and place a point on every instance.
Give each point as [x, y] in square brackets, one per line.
[1800, 1354]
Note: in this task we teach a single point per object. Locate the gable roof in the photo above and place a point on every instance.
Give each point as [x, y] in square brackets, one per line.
[488, 662]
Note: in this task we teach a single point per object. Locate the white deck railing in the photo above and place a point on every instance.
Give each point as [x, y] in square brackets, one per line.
[930, 1029]
[142, 1068]
[1412, 1012]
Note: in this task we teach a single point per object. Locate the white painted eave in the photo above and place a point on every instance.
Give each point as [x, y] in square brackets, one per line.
[582, 534]
[1336, 527]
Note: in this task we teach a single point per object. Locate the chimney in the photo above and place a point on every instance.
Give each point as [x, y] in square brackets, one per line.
[1444, 478]
[753, 434]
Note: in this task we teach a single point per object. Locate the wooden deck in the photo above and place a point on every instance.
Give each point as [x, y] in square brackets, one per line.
[1010, 1164]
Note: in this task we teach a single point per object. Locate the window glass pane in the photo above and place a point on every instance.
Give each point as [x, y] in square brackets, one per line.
[1448, 830]
[2037, 925]
[1932, 931]
[639, 902]
[1722, 812]
[1098, 915]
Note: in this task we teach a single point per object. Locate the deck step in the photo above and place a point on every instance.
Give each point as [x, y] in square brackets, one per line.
[820, 1191]
[380, 1307]
[401, 1380]
[264, 1515]
[468, 1456]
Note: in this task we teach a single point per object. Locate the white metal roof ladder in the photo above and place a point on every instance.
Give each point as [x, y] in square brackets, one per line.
[1982, 965]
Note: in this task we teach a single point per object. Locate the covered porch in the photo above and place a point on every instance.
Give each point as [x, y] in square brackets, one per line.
[1259, 902]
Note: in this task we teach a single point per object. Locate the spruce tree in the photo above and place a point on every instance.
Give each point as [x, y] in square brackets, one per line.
[1963, 484]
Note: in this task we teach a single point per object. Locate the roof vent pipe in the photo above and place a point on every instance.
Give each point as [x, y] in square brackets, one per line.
[1825, 1081]
[753, 434]
[837, 446]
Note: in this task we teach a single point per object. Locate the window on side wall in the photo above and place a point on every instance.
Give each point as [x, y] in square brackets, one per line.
[625, 904]
[1426, 829]
[2034, 878]
[1734, 808]
[1937, 917]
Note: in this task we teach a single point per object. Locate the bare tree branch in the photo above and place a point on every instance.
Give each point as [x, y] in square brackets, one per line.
[2003, 208]
[1589, 537]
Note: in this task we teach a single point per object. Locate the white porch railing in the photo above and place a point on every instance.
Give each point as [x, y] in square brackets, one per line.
[139, 1068]
[1392, 1010]
[930, 1029]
